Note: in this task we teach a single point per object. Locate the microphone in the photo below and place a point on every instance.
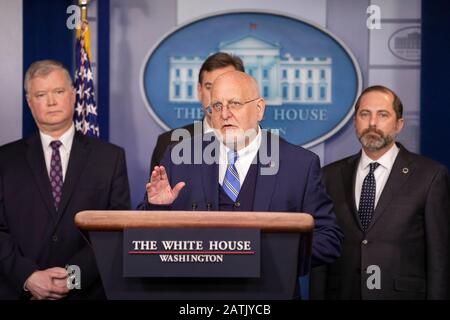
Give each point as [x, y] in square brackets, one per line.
[208, 206]
[194, 206]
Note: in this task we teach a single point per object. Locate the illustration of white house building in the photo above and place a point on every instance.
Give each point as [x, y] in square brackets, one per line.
[282, 79]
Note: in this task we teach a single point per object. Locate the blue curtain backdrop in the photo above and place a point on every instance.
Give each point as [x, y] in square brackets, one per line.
[435, 73]
[46, 36]
[103, 67]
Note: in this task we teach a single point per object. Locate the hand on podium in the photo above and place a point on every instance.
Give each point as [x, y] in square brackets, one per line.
[159, 191]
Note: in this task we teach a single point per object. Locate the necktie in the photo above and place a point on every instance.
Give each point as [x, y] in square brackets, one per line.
[367, 200]
[56, 176]
[231, 184]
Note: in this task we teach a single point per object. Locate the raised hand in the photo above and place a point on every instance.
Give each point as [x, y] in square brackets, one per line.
[159, 191]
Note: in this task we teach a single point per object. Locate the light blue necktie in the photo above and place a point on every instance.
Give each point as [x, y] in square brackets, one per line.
[231, 184]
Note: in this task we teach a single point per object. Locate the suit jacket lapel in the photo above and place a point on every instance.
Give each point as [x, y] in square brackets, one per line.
[349, 178]
[77, 161]
[265, 183]
[210, 172]
[401, 170]
[36, 161]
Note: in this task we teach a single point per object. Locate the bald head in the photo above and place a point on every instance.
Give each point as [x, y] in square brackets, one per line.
[238, 81]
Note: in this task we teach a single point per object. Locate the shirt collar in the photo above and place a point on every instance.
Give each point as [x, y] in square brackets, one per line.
[206, 127]
[66, 139]
[386, 160]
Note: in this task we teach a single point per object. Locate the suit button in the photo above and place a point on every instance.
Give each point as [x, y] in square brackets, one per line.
[365, 242]
[237, 204]
[55, 238]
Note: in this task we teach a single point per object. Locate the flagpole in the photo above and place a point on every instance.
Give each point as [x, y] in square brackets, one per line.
[83, 5]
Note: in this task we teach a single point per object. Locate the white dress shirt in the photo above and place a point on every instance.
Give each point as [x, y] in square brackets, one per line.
[206, 127]
[381, 174]
[64, 150]
[245, 158]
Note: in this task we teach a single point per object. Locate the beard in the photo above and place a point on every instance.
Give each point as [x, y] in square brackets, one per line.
[237, 138]
[373, 139]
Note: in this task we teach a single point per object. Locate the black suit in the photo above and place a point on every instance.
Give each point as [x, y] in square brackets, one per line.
[408, 237]
[33, 235]
[165, 140]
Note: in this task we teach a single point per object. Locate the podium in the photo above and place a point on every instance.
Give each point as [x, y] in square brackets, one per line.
[285, 251]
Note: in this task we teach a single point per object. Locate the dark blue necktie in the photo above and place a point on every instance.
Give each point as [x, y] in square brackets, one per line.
[367, 200]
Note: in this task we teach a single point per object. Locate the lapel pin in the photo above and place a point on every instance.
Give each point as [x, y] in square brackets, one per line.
[405, 170]
[270, 164]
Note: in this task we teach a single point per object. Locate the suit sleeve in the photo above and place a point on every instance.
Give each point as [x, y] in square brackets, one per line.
[162, 144]
[119, 199]
[437, 224]
[327, 237]
[158, 153]
[13, 265]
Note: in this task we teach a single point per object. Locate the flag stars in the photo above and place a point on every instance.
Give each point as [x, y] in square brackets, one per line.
[86, 108]
[89, 76]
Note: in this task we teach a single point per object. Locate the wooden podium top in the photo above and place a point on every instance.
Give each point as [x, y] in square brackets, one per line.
[265, 221]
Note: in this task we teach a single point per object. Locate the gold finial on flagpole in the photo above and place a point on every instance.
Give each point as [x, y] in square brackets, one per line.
[83, 4]
[83, 31]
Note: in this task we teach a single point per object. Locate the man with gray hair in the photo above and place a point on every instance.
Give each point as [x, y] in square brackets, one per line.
[45, 180]
[237, 181]
[215, 65]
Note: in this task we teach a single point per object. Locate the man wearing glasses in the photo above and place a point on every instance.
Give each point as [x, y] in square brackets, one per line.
[212, 67]
[245, 168]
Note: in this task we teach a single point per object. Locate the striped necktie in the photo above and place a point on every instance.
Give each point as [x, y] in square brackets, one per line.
[231, 184]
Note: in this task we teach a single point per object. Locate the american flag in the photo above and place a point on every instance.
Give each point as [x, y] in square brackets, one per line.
[86, 108]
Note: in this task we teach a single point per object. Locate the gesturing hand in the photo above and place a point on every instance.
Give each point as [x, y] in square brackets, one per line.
[159, 191]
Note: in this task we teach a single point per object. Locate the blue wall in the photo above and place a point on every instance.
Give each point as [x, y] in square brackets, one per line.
[46, 36]
[103, 68]
[435, 92]
[50, 39]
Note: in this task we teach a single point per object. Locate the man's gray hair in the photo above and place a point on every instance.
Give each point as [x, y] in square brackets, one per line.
[43, 68]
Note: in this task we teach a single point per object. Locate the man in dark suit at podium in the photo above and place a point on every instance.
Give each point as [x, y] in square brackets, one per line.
[44, 181]
[240, 175]
[212, 67]
[394, 209]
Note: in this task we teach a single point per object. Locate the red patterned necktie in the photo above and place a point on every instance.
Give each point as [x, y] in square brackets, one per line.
[56, 175]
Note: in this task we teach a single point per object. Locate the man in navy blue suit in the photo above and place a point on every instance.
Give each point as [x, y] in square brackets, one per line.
[45, 180]
[244, 168]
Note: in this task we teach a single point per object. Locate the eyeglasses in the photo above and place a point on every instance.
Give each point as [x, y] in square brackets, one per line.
[232, 105]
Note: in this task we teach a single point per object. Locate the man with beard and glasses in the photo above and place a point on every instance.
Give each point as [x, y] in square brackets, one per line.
[239, 177]
[393, 206]
[215, 65]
